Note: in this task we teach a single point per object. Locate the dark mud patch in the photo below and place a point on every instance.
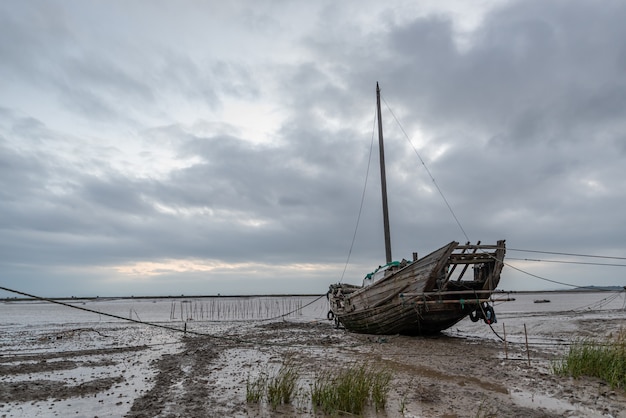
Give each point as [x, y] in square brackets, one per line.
[45, 366]
[313, 326]
[69, 354]
[296, 334]
[38, 390]
[42, 366]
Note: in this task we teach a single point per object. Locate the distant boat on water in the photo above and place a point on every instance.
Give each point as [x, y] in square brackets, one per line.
[542, 300]
[421, 296]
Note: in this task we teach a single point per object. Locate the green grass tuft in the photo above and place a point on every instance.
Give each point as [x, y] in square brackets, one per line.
[605, 360]
[255, 389]
[347, 390]
[281, 387]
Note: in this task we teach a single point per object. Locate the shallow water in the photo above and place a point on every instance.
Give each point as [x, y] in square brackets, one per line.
[33, 325]
[173, 310]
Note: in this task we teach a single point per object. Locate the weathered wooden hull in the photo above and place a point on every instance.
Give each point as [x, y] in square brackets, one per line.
[422, 297]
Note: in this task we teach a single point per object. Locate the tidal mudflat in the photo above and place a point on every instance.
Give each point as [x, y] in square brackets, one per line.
[56, 361]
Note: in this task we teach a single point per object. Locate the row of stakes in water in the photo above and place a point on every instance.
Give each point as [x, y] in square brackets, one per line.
[235, 309]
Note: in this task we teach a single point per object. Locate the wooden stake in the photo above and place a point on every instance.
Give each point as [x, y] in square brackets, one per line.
[527, 352]
[506, 350]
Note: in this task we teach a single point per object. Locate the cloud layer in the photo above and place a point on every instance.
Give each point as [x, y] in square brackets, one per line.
[185, 148]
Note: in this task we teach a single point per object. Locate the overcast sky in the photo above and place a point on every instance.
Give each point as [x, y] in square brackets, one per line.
[188, 147]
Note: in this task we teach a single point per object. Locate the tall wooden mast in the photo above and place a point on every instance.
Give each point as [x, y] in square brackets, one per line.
[383, 179]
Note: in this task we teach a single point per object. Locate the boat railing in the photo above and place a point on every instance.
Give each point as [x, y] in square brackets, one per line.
[480, 247]
[480, 296]
[450, 292]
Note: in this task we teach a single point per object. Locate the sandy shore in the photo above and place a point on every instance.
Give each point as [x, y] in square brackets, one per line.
[137, 371]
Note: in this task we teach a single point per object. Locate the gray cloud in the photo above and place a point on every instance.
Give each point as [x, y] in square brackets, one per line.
[117, 148]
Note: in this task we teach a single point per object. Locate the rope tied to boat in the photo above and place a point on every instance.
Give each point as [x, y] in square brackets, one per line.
[484, 311]
[475, 316]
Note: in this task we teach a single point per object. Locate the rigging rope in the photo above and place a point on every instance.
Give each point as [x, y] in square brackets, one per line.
[456, 219]
[570, 254]
[599, 304]
[58, 302]
[567, 262]
[427, 171]
[358, 219]
[152, 324]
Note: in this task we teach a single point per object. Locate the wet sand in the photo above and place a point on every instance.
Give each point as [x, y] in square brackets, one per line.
[137, 371]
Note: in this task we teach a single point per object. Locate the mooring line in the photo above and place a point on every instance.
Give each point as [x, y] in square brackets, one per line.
[170, 328]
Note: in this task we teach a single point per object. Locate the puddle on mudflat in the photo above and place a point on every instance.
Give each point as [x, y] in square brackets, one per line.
[552, 405]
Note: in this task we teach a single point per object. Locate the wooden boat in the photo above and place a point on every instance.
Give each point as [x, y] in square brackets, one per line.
[421, 296]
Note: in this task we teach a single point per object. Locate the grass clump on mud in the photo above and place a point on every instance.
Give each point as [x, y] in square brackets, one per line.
[347, 390]
[255, 388]
[278, 388]
[605, 360]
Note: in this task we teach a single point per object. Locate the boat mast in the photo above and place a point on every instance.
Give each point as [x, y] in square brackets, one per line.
[383, 179]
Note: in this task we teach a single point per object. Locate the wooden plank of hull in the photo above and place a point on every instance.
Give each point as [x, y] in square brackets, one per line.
[408, 318]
